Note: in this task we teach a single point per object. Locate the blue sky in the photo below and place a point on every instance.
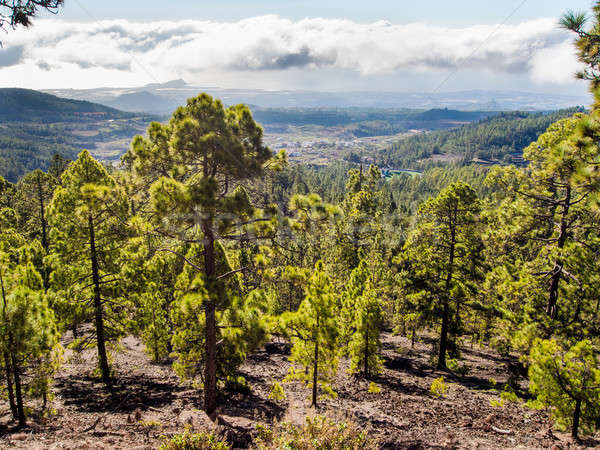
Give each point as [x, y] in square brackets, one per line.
[299, 44]
[440, 12]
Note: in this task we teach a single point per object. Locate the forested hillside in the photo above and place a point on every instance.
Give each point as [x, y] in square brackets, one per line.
[296, 283]
[202, 293]
[495, 138]
[17, 105]
[35, 126]
[362, 122]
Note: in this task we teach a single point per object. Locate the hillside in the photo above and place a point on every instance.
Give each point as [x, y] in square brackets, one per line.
[398, 119]
[151, 404]
[34, 126]
[500, 138]
[28, 105]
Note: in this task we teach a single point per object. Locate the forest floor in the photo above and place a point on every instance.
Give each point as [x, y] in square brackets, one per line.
[150, 404]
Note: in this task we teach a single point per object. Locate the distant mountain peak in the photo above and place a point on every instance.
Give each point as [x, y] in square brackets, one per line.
[180, 83]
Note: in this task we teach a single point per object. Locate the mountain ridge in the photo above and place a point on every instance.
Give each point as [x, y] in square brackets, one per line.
[18, 104]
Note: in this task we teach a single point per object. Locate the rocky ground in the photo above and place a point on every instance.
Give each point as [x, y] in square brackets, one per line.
[150, 404]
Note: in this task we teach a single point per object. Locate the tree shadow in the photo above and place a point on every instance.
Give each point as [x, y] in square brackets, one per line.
[129, 393]
[413, 444]
[252, 407]
[34, 425]
[487, 356]
[395, 384]
[408, 365]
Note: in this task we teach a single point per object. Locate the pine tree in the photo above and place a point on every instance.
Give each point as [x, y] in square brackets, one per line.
[28, 334]
[362, 214]
[193, 165]
[151, 277]
[365, 345]
[568, 381]
[313, 220]
[314, 333]
[239, 320]
[439, 254]
[32, 196]
[88, 214]
[542, 238]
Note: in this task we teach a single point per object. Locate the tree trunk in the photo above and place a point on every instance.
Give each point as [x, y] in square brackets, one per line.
[210, 328]
[576, 415]
[9, 387]
[551, 307]
[45, 245]
[367, 354]
[98, 311]
[18, 392]
[444, 337]
[446, 314]
[315, 374]
[456, 325]
[315, 366]
[7, 360]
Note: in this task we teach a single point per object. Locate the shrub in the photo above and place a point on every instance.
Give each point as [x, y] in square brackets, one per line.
[277, 393]
[509, 394]
[496, 403]
[438, 388]
[373, 388]
[194, 441]
[318, 433]
[237, 385]
[460, 369]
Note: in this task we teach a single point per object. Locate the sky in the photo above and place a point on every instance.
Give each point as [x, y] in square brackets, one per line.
[327, 45]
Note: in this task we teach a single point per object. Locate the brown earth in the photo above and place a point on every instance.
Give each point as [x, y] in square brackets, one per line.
[150, 404]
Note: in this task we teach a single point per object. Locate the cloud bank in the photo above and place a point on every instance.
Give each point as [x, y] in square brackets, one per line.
[107, 50]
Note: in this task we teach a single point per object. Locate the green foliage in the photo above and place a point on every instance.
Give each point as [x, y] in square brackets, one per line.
[491, 138]
[277, 392]
[88, 216]
[568, 381]
[314, 335]
[194, 441]
[373, 388]
[438, 387]
[151, 277]
[241, 326]
[495, 403]
[318, 433]
[455, 366]
[440, 260]
[28, 334]
[365, 345]
[537, 245]
[195, 167]
[509, 394]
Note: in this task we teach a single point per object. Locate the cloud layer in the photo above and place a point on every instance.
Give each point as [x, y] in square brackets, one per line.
[162, 50]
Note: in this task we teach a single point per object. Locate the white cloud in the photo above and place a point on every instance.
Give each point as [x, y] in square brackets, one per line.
[105, 51]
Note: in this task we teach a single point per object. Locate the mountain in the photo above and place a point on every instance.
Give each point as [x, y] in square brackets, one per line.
[165, 96]
[32, 106]
[143, 101]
